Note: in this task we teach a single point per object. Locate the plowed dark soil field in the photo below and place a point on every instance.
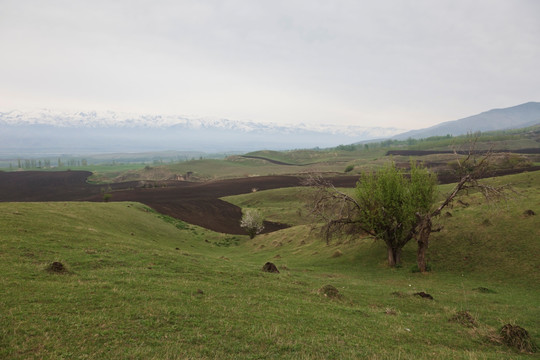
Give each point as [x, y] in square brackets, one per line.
[195, 203]
[192, 202]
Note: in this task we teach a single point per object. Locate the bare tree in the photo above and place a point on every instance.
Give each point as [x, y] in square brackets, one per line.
[470, 169]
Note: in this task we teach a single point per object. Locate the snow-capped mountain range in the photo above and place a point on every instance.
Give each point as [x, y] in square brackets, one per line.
[93, 119]
[110, 131]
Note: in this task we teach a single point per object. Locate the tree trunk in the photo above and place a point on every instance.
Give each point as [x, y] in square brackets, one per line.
[391, 258]
[423, 243]
[397, 256]
[421, 255]
[394, 256]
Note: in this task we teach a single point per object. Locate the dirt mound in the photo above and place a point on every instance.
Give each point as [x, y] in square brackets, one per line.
[484, 290]
[517, 337]
[56, 267]
[529, 213]
[464, 318]
[330, 291]
[337, 253]
[270, 267]
[424, 295]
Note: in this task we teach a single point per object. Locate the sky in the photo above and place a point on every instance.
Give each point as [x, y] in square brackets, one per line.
[392, 63]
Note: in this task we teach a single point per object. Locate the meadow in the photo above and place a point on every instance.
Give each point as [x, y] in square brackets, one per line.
[117, 280]
[137, 284]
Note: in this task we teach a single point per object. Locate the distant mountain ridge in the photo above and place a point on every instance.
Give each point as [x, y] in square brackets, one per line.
[93, 119]
[46, 131]
[519, 116]
[101, 132]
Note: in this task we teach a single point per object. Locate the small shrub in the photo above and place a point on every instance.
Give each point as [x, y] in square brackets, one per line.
[349, 168]
[252, 222]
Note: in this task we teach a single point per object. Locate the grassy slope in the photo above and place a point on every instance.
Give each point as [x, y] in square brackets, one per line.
[132, 290]
[336, 160]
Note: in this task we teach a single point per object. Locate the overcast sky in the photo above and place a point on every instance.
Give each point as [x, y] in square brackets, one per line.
[393, 63]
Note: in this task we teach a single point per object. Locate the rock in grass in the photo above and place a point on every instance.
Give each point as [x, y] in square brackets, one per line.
[330, 291]
[270, 267]
[517, 337]
[424, 295]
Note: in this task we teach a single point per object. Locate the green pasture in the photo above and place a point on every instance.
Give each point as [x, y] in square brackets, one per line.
[139, 285]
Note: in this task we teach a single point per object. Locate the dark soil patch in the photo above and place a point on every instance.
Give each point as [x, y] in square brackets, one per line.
[270, 267]
[476, 152]
[517, 337]
[192, 202]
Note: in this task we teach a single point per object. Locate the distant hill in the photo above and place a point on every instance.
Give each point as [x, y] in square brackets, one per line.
[519, 116]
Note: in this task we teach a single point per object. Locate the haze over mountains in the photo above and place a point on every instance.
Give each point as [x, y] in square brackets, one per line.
[49, 132]
[93, 132]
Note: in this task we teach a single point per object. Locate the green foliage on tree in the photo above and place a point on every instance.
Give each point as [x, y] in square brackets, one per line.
[390, 202]
[396, 207]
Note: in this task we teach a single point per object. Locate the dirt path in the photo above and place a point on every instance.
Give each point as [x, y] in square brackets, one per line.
[277, 162]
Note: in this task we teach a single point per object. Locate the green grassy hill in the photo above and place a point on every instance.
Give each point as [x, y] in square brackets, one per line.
[355, 158]
[139, 285]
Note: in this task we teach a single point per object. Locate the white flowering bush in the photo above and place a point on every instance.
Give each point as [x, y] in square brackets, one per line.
[252, 222]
